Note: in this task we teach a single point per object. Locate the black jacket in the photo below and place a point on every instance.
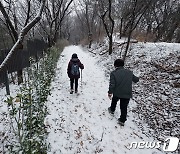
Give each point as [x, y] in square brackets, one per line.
[121, 82]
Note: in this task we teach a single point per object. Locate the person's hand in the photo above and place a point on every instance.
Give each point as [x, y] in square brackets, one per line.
[110, 96]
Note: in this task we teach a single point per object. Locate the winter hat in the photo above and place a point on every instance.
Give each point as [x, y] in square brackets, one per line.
[118, 63]
[74, 55]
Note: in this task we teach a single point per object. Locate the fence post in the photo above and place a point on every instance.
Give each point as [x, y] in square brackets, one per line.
[7, 83]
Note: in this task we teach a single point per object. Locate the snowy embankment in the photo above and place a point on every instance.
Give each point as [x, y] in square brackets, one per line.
[5, 132]
[157, 93]
[81, 123]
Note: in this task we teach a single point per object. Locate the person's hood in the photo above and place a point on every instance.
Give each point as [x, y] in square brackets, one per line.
[75, 60]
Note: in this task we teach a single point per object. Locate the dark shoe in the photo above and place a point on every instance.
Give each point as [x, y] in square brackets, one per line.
[120, 123]
[109, 110]
[76, 91]
[71, 92]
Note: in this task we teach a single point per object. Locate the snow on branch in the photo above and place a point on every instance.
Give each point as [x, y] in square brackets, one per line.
[22, 34]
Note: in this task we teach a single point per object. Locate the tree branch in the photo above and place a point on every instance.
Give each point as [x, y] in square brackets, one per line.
[22, 34]
[8, 21]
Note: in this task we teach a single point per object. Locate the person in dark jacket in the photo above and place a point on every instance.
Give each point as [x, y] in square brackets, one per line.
[120, 87]
[73, 72]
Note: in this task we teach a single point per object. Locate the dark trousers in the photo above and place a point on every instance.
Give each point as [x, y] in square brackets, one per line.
[72, 84]
[123, 107]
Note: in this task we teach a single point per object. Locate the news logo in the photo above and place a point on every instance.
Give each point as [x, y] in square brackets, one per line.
[170, 144]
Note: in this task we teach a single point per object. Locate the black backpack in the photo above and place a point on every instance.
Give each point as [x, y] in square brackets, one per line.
[75, 69]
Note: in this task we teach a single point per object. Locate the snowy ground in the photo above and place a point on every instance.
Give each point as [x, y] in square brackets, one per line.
[4, 116]
[81, 123]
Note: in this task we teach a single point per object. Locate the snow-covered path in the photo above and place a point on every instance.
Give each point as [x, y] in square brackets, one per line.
[81, 123]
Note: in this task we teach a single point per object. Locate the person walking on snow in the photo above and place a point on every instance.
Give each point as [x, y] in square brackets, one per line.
[120, 87]
[73, 72]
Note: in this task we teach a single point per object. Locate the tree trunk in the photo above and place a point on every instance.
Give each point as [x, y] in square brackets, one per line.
[120, 28]
[110, 45]
[90, 40]
[20, 76]
[178, 36]
[127, 46]
[170, 34]
[12, 30]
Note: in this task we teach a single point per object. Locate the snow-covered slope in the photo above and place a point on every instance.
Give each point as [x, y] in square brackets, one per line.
[81, 123]
[157, 93]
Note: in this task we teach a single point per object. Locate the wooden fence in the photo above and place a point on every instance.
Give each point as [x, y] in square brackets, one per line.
[20, 59]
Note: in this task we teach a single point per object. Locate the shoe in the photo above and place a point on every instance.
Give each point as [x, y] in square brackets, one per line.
[76, 91]
[109, 110]
[71, 92]
[120, 123]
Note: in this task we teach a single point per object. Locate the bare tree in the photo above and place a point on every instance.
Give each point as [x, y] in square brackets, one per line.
[87, 15]
[119, 8]
[56, 11]
[137, 10]
[108, 21]
[167, 19]
[13, 32]
[22, 34]
[161, 21]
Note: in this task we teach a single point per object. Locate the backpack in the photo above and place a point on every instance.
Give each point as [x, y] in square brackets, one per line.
[75, 69]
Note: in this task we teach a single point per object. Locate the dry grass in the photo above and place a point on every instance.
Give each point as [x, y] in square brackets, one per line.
[143, 37]
[60, 44]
